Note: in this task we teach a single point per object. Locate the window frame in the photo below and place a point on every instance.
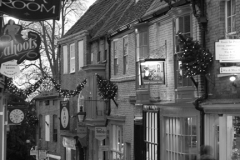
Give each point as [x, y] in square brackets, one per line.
[115, 57]
[125, 55]
[231, 16]
[175, 137]
[139, 33]
[151, 122]
[65, 59]
[178, 70]
[117, 138]
[72, 58]
[55, 128]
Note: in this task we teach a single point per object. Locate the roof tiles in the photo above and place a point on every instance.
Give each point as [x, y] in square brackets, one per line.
[109, 15]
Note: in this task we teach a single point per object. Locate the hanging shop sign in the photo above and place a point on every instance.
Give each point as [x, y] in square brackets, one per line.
[14, 47]
[82, 131]
[152, 72]
[100, 133]
[104, 148]
[31, 10]
[10, 69]
[69, 143]
[230, 69]
[64, 115]
[227, 50]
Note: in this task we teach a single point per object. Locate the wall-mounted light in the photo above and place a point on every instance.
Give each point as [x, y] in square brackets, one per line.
[232, 80]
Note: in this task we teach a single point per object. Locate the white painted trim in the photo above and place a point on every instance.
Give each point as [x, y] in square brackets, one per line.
[54, 156]
[1, 113]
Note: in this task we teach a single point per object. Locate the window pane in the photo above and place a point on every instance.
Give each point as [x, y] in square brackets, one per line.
[229, 8]
[187, 24]
[233, 7]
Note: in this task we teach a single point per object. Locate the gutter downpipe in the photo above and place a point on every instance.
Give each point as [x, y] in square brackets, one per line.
[203, 24]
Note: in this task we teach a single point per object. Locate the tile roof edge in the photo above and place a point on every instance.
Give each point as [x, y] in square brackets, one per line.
[83, 32]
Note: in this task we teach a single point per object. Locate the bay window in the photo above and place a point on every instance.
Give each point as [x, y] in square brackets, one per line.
[117, 147]
[180, 138]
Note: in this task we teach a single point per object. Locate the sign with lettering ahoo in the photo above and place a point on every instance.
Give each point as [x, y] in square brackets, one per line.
[100, 133]
[31, 10]
[227, 50]
[14, 47]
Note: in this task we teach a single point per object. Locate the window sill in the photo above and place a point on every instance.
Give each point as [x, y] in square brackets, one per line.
[190, 88]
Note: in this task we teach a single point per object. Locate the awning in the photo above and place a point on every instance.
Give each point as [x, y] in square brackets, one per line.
[69, 142]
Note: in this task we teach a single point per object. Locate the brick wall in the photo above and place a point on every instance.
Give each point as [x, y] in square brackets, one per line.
[219, 87]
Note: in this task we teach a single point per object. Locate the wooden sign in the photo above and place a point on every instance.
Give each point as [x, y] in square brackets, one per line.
[64, 115]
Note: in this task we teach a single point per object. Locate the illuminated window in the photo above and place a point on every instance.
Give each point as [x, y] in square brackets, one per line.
[151, 134]
[117, 148]
[180, 138]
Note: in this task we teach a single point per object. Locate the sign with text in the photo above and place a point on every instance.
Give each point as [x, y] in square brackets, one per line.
[229, 69]
[64, 115]
[100, 133]
[227, 50]
[31, 10]
[42, 154]
[14, 47]
[104, 148]
[152, 72]
[81, 131]
[10, 69]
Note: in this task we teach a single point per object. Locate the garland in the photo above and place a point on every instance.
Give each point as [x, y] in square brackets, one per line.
[195, 59]
[106, 89]
[25, 93]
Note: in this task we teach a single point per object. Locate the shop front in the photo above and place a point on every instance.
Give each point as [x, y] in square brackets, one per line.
[222, 130]
[171, 131]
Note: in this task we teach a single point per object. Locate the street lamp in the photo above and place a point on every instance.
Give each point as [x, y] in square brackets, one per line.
[81, 115]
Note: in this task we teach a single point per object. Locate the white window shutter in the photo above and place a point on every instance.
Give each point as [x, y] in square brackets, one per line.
[65, 60]
[47, 127]
[80, 54]
[72, 58]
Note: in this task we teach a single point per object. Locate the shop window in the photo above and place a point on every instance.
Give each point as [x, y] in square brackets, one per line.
[230, 16]
[117, 148]
[180, 138]
[183, 25]
[65, 60]
[115, 60]
[125, 55]
[151, 134]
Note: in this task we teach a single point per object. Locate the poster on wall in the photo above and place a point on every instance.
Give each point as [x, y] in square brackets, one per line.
[64, 115]
[152, 72]
[31, 10]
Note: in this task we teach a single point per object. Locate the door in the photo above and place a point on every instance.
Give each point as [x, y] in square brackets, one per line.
[222, 132]
[138, 141]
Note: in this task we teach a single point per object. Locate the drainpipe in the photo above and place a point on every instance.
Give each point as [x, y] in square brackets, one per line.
[203, 24]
